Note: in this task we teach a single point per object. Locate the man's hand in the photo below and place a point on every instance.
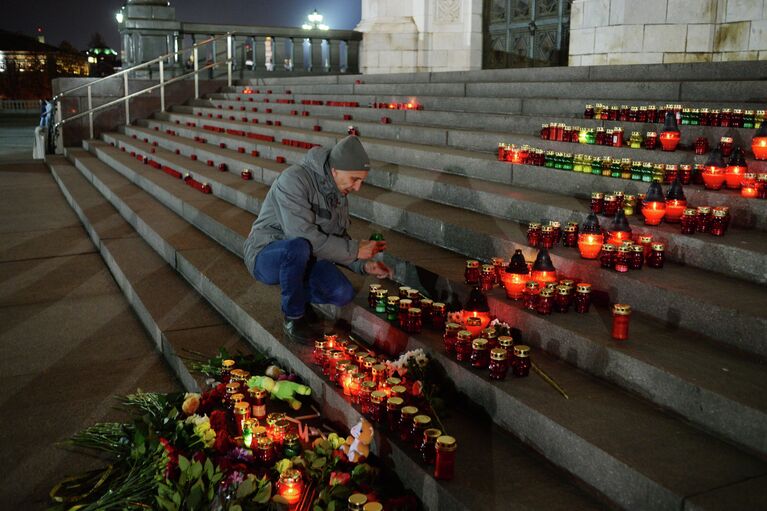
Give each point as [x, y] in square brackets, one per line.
[378, 269]
[368, 249]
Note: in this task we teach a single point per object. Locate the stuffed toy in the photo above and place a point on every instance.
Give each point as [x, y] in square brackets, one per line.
[284, 390]
[357, 446]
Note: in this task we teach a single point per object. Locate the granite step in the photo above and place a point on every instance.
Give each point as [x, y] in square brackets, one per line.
[742, 253]
[746, 212]
[702, 307]
[221, 278]
[527, 105]
[543, 413]
[494, 127]
[381, 134]
[703, 71]
[667, 90]
[176, 317]
[659, 380]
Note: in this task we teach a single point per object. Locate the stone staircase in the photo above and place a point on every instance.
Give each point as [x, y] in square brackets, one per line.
[675, 418]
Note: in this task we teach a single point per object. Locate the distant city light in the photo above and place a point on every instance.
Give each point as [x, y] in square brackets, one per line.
[119, 17]
[315, 22]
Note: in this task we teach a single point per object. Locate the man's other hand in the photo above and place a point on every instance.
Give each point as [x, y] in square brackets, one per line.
[378, 269]
[368, 249]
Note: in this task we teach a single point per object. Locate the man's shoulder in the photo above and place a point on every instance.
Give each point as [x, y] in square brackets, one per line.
[295, 176]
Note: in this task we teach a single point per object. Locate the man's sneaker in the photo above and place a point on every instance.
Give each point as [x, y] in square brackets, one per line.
[301, 330]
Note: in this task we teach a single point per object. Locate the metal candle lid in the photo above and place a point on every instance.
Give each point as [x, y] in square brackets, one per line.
[479, 344]
[505, 341]
[583, 287]
[621, 309]
[498, 354]
[446, 443]
[521, 351]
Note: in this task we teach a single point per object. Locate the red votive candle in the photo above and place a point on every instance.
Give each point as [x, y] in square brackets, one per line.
[621, 317]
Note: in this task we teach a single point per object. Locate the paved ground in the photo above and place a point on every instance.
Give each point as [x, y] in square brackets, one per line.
[69, 340]
[17, 134]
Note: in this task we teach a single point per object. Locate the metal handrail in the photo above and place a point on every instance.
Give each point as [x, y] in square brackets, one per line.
[143, 64]
[126, 97]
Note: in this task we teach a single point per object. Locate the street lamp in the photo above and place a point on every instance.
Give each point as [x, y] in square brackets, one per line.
[315, 22]
[119, 17]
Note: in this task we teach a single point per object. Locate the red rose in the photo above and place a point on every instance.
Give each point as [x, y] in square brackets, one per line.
[341, 478]
[223, 442]
[218, 421]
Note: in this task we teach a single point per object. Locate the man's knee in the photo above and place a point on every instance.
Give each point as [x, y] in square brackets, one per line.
[299, 249]
[342, 294]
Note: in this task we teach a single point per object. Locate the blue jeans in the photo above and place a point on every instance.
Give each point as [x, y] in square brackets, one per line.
[302, 278]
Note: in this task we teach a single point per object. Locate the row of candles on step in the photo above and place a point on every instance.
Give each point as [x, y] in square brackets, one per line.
[539, 288]
[615, 137]
[713, 174]
[384, 400]
[727, 117]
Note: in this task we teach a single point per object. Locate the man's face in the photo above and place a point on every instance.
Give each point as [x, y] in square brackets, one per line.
[349, 181]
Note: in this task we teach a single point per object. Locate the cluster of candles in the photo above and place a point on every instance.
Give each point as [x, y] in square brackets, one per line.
[409, 308]
[734, 173]
[671, 208]
[726, 117]
[269, 436]
[614, 137]
[384, 400]
[713, 174]
[540, 289]
[410, 105]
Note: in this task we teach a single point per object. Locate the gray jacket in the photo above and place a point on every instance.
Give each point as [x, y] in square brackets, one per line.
[304, 202]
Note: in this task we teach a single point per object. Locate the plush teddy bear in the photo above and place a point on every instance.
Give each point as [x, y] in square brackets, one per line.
[283, 390]
[357, 446]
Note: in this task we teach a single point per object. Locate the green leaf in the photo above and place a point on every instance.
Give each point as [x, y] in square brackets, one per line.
[317, 508]
[183, 463]
[332, 505]
[165, 503]
[264, 494]
[245, 488]
[176, 499]
[235, 507]
[279, 499]
[209, 468]
[319, 462]
[194, 499]
[196, 471]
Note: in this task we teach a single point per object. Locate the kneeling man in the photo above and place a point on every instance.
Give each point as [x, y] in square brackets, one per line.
[301, 234]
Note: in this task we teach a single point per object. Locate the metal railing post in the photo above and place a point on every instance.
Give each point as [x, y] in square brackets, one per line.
[162, 86]
[127, 99]
[90, 111]
[196, 74]
[229, 43]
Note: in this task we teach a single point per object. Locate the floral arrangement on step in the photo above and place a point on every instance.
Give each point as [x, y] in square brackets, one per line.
[194, 451]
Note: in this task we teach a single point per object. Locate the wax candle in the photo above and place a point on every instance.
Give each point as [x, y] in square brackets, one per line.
[444, 467]
[759, 142]
[670, 136]
[543, 268]
[749, 188]
[515, 276]
[736, 168]
[621, 316]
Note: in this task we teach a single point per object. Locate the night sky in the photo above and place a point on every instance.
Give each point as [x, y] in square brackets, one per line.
[76, 20]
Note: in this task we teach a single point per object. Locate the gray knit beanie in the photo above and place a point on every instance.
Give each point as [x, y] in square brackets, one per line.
[348, 154]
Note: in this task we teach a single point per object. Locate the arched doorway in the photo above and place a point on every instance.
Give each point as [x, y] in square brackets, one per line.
[525, 33]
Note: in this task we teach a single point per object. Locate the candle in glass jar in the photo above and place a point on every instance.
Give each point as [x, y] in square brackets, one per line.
[676, 202]
[621, 316]
[520, 364]
[429, 445]
[530, 295]
[381, 295]
[589, 245]
[479, 353]
[290, 486]
[748, 186]
[463, 346]
[372, 299]
[474, 325]
[656, 258]
[471, 273]
[534, 234]
[444, 465]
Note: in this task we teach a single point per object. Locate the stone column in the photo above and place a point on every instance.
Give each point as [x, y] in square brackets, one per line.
[317, 65]
[334, 55]
[259, 53]
[352, 57]
[298, 54]
[279, 53]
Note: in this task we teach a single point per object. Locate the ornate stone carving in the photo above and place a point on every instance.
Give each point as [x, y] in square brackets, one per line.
[448, 11]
